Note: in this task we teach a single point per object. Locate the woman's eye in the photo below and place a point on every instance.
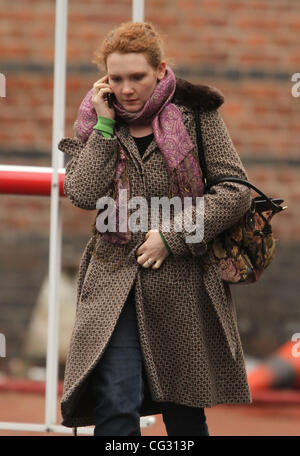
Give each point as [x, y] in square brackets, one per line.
[138, 77]
[115, 79]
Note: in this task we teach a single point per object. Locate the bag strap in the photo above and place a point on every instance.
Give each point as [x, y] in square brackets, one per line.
[238, 180]
[200, 147]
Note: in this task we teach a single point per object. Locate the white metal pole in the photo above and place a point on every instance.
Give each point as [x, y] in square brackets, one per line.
[58, 122]
[138, 10]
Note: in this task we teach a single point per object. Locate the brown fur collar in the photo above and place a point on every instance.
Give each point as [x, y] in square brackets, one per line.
[197, 96]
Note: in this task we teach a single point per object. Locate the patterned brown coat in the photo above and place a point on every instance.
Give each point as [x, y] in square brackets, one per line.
[187, 321]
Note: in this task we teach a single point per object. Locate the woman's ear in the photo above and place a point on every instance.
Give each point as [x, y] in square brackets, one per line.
[161, 71]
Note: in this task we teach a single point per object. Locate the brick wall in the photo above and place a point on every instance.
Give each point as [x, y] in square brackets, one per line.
[249, 50]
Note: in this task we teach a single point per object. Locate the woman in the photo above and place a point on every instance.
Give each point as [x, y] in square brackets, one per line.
[156, 329]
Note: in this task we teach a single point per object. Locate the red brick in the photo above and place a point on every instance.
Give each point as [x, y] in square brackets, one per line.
[294, 24]
[255, 40]
[255, 59]
[261, 24]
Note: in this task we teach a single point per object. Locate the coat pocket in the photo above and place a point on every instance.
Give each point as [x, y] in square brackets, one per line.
[221, 301]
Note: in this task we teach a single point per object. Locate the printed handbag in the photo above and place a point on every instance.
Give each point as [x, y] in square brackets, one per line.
[246, 249]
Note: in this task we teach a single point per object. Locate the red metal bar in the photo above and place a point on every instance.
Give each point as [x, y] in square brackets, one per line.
[28, 180]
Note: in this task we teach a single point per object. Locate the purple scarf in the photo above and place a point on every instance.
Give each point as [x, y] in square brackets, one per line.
[171, 137]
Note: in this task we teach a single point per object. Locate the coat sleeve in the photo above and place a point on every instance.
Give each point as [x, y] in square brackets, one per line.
[223, 205]
[91, 169]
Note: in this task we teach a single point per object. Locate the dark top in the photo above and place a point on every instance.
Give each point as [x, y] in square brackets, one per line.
[143, 142]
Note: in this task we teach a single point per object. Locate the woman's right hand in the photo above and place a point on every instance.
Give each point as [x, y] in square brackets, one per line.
[100, 90]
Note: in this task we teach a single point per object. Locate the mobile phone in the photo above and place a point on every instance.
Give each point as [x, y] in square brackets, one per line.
[110, 100]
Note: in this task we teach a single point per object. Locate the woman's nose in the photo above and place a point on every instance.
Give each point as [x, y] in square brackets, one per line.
[126, 90]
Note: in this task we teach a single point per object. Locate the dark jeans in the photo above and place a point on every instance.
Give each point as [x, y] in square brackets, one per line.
[118, 387]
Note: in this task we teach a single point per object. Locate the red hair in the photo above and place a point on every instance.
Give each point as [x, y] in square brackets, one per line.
[140, 37]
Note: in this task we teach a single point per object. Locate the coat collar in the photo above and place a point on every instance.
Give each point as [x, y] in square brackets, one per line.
[197, 96]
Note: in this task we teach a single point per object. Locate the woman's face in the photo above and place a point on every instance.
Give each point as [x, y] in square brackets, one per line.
[132, 78]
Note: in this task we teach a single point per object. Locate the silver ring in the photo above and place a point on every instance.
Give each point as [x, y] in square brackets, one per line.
[149, 261]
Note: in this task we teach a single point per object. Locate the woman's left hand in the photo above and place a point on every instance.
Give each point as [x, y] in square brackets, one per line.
[152, 249]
